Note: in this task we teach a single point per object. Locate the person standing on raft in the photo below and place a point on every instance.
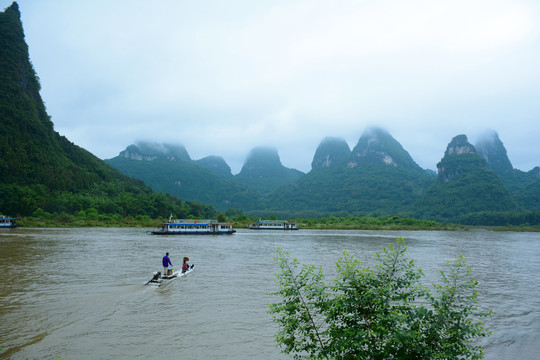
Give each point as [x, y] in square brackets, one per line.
[166, 262]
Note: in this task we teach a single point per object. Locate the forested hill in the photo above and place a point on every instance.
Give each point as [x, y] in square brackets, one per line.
[264, 172]
[465, 186]
[41, 170]
[377, 178]
[207, 180]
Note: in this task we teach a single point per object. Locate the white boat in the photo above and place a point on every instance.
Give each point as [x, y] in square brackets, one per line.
[8, 222]
[274, 225]
[194, 227]
[158, 279]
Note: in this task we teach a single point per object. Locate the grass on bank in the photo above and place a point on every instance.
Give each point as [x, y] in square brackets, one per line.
[93, 219]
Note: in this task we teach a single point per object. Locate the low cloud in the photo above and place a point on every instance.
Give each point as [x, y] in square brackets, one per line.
[224, 77]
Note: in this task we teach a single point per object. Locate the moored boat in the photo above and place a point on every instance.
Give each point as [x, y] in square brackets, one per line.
[194, 227]
[274, 225]
[8, 222]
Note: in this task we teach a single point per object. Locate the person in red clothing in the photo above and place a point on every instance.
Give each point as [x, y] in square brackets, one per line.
[185, 265]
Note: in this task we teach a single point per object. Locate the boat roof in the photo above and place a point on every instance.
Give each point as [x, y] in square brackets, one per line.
[274, 221]
[195, 222]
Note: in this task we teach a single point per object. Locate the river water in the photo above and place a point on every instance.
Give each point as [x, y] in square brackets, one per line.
[80, 294]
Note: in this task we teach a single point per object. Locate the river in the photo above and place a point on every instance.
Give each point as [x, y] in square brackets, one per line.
[80, 294]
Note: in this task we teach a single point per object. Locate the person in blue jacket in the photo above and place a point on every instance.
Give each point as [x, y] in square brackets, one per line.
[166, 263]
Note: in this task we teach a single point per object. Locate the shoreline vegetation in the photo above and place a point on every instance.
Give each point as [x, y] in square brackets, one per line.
[80, 220]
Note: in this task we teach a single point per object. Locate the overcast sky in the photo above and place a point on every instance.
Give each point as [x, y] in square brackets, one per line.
[222, 77]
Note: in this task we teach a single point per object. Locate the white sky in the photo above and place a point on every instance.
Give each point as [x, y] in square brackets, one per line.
[222, 77]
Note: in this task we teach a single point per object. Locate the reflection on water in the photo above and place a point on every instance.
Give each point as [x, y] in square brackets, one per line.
[79, 293]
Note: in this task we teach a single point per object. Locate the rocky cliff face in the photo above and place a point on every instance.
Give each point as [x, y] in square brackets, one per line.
[377, 146]
[465, 185]
[154, 151]
[460, 156]
[134, 153]
[459, 145]
[331, 152]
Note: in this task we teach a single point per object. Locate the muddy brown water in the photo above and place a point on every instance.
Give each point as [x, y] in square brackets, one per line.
[80, 294]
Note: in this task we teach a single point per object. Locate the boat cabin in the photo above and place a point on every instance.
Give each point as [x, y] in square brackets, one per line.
[274, 225]
[194, 227]
[7, 222]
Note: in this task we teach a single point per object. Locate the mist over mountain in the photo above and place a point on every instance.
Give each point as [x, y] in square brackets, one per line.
[217, 165]
[169, 169]
[377, 145]
[264, 172]
[491, 148]
[331, 151]
[378, 177]
[209, 179]
[154, 151]
[523, 186]
[464, 185]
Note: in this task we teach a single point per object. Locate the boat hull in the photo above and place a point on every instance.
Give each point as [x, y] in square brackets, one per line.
[166, 279]
[191, 233]
[258, 228]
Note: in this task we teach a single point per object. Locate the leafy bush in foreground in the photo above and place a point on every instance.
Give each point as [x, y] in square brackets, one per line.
[376, 313]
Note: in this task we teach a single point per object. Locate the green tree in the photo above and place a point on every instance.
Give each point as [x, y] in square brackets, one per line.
[382, 312]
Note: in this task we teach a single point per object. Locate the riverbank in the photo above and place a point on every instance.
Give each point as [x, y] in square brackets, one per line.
[350, 223]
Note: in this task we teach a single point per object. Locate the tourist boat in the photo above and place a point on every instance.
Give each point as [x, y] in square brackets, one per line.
[273, 225]
[194, 227]
[7, 222]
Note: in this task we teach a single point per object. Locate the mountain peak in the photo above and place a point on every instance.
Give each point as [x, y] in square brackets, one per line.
[377, 146]
[154, 151]
[459, 158]
[264, 172]
[217, 165]
[262, 157]
[331, 151]
[27, 138]
[491, 148]
[460, 145]
[13, 9]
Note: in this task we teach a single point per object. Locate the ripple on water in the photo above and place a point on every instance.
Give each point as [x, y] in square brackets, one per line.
[79, 292]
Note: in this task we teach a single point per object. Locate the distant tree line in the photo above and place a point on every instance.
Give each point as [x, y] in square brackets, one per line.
[111, 198]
